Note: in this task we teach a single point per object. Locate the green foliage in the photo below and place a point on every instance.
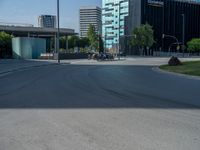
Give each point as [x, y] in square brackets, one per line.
[84, 42]
[83, 50]
[194, 45]
[143, 36]
[73, 41]
[5, 40]
[92, 36]
[63, 41]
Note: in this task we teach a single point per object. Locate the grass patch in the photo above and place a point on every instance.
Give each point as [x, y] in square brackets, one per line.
[189, 68]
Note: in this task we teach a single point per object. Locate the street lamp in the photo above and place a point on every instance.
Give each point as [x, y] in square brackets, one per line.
[119, 29]
[183, 38]
[170, 36]
[58, 30]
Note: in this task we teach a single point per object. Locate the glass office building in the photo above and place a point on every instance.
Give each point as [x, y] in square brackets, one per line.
[113, 14]
[177, 18]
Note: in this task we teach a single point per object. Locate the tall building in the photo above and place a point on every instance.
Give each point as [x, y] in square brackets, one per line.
[47, 21]
[113, 14]
[177, 18]
[90, 15]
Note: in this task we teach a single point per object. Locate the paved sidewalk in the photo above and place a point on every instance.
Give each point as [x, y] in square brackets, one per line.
[133, 61]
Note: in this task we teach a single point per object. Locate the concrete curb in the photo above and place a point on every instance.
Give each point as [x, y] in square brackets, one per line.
[157, 69]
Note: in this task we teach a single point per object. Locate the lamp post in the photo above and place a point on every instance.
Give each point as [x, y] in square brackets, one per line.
[58, 30]
[183, 38]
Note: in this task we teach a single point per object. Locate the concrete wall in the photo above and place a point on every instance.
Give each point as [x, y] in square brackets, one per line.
[28, 48]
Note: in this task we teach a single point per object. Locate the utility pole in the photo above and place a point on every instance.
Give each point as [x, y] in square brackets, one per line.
[183, 38]
[58, 31]
[163, 27]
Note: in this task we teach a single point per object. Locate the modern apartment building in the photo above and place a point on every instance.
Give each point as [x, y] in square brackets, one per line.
[113, 14]
[90, 15]
[47, 21]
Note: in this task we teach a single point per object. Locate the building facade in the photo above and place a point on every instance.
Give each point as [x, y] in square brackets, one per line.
[90, 15]
[47, 21]
[177, 18]
[113, 15]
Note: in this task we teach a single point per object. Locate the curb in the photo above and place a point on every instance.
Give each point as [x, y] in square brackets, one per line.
[191, 77]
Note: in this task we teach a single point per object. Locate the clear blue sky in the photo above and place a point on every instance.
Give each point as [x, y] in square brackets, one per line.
[27, 11]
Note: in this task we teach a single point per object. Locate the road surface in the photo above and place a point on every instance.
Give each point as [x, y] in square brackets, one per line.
[98, 107]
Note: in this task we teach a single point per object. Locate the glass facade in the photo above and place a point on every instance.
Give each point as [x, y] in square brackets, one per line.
[113, 15]
[166, 17]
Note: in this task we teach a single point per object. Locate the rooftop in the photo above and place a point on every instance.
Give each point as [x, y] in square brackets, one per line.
[23, 31]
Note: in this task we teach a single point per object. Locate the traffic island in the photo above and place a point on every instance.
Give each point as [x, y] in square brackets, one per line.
[188, 68]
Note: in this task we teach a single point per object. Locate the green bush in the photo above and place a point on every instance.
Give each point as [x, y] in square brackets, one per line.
[5, 40]
[194, 45]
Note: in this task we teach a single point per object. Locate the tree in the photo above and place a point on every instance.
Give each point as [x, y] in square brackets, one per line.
[101, 44]
[84, 42]
[5, 44]
[92, 36]
[63, 41]
[143, 37]
[194, 45]
[72, 41]
[80, 43]
[5, 40]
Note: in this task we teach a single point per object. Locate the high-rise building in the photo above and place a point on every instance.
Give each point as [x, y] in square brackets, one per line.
[90, 15]
[177, 18]
[113, 14]
[47, 21]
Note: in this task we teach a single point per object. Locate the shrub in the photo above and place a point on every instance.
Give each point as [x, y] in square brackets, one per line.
[174, 61]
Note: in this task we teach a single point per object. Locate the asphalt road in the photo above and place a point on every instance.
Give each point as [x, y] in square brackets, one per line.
[83, 107]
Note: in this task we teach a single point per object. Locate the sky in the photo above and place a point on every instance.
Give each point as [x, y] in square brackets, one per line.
[27, 11]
